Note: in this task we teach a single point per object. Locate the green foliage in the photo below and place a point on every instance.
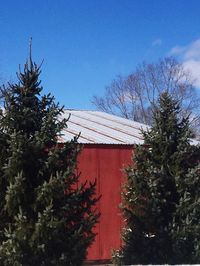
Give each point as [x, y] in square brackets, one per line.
[46, 217]
[161, 199]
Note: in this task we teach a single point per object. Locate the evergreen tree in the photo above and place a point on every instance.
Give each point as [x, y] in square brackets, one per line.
[46, 217]
[161, 199]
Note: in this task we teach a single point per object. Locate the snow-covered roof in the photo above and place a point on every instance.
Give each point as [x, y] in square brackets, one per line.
[97, 127]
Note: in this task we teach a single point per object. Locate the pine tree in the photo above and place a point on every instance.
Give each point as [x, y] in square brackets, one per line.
[186, 226]
[46, 216]
[161, 196]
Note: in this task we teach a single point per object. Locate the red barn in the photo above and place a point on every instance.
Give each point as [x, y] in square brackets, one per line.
[108, 145]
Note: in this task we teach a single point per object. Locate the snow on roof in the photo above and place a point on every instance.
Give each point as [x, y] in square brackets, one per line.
[97, 127]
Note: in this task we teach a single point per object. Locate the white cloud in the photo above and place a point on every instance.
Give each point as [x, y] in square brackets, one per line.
[194, 68]
[190, 57]
[177, 50]
[193, 51]
[157, 42]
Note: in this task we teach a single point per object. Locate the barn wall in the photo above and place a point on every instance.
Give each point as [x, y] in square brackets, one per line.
[104, 163]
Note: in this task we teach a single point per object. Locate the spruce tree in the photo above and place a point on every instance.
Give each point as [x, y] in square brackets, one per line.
[161, 196]
[46, 216]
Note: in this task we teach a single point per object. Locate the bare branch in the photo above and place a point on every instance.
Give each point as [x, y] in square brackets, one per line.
[134, 95]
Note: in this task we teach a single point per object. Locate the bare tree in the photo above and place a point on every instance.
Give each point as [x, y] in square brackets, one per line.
[134, 96]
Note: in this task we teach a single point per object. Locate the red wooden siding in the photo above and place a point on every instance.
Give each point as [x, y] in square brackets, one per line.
[105, 163]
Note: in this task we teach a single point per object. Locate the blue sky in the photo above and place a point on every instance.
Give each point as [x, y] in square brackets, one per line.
[86, 43]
